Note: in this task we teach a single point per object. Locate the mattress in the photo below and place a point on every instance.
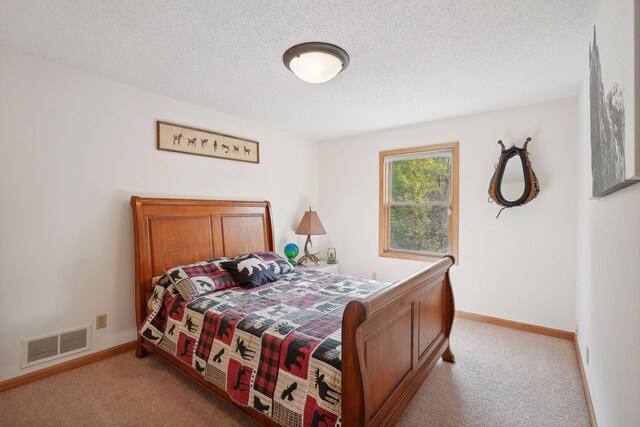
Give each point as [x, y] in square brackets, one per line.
[275, 348]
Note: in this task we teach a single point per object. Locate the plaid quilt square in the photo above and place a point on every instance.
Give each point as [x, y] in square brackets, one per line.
[321, 328]
[307, 300]
[267, 374]
[207, 335]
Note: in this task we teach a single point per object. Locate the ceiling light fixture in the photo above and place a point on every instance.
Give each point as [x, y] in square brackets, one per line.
[316, 62]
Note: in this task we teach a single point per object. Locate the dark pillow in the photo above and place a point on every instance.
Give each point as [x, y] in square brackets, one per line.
[275, 262]
[200, 278]
[249, 270]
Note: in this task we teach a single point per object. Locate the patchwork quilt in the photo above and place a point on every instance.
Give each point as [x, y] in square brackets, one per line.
[275, 348]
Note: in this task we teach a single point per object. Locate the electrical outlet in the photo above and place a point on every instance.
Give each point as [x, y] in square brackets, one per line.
[587, 356]
[101, 321]
[374, 275]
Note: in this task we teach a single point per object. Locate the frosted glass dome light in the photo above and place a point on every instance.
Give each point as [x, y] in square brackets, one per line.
[316, 62]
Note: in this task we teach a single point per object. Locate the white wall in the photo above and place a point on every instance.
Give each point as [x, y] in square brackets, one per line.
[608, 290]
[75, 147]
[518, 267]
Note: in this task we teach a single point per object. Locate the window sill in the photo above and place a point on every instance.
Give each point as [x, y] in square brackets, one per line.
[411, 256]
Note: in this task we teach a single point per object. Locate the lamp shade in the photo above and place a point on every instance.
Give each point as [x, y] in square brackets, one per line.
[310, 224]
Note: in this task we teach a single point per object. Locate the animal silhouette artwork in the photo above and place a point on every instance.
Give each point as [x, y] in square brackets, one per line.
[238, 385]
[285, 328]
[241, 348]
[224, 328]
[318, 418]
[325, 392]
[287, 393]
[185, 348]
[294, 353]
[251, 265]
[203, 142]
[148, 334]
[191, 327]
[325, 308]
[259, 405]
[199, 368]
[171, 329]
[175, 309]
[218, 357]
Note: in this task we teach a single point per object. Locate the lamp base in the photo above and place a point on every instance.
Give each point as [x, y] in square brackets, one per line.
[308, 256]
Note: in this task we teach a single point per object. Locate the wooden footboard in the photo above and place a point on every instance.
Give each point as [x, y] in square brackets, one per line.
[391, 341]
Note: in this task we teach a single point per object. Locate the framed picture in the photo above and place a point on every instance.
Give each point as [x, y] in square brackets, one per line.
[187, 139]
[614, 97]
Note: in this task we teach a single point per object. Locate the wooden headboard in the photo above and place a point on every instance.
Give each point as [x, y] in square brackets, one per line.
[170, 232]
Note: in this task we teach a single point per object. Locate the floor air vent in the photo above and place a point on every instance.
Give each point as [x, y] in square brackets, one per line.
[56, 345]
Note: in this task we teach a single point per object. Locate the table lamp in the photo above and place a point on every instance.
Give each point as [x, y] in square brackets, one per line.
[311, 226]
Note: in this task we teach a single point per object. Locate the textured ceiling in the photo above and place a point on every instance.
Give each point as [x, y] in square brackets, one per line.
[411, 61]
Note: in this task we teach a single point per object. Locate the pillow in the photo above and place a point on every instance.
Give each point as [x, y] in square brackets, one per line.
[199, 278]
[250, 270]
[275, 262]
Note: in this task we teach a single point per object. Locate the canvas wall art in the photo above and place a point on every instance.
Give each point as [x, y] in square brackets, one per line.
[614, 68]
[186, 139]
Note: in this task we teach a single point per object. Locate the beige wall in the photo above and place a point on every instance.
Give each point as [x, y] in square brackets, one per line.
[518, 267]
[608, 290]
[75, 147]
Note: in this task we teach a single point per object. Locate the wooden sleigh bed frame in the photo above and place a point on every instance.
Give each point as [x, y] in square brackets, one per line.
[390, 340]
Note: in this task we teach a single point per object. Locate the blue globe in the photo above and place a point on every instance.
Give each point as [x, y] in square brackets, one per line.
[291, 250]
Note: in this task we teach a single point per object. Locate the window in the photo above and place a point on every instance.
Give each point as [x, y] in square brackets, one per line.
[419, 202]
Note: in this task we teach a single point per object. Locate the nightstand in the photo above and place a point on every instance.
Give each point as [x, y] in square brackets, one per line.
[327, 268]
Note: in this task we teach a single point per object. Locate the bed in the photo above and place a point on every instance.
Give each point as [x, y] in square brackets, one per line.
[391, 336]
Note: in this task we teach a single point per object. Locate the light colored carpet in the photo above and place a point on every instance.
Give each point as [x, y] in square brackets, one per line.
[502, 377]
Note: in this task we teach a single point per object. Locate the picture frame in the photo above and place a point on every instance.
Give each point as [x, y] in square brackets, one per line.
[614, 97]
[191, 140]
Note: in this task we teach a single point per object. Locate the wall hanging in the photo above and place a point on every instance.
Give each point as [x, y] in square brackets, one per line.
[513, 183]
[614, 97]
[190, 140]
